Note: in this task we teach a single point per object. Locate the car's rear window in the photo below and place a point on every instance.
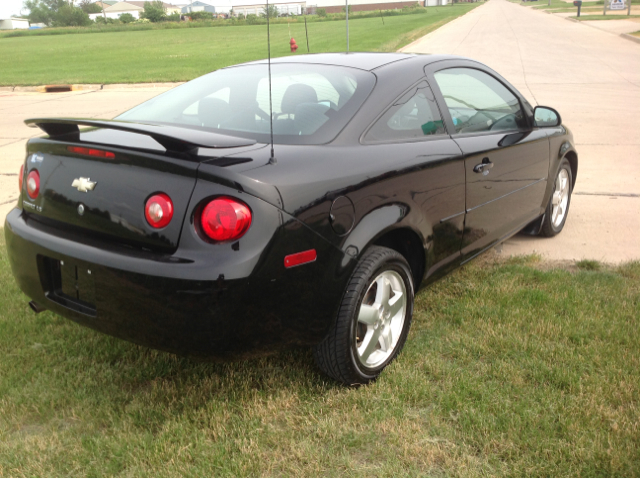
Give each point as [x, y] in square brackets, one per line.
[311, 103]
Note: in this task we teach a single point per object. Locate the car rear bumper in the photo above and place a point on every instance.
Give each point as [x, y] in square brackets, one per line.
[163, 302]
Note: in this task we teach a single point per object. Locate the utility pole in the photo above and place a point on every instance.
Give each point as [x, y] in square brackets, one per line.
[346, 8]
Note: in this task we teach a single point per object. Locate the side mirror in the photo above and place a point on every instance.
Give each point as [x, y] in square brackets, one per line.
[545, 116]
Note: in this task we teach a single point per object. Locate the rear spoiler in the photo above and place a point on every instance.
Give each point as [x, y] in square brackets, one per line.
[175, 139]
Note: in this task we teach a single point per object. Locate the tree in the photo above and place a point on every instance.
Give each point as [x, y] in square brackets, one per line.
[154, 11]
[273, 12]
[127, 18]
[43, 11]
[321, 12]
[67, 16]
[56, 12]
[88, 6]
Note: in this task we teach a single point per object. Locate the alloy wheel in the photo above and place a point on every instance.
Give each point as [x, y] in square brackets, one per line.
[560, 198]
[381, 319]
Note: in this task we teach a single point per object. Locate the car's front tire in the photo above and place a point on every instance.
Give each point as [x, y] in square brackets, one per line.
[558, 207]
[373, 320]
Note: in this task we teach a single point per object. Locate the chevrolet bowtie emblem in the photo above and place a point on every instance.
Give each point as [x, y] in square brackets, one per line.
[84, 184]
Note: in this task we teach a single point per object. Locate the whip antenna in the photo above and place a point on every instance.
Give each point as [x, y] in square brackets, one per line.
[272, 160]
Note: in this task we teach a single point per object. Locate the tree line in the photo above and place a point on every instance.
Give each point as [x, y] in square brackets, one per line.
[66, 13]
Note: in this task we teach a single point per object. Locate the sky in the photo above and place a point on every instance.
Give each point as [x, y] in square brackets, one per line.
[10, 7]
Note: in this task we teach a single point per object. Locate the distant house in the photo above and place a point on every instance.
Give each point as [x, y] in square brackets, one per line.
[249, 7]
[333, 6]
[133, 7]
[211, 6]
[106, 3]
[13, 23]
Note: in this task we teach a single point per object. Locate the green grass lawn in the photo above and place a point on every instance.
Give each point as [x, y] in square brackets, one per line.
[512, 368]
[605, 17]
[185, 53]
[636, 34]
[561, 6]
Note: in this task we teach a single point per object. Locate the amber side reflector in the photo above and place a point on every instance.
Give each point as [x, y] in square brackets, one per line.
[297, 259]
[91, 152]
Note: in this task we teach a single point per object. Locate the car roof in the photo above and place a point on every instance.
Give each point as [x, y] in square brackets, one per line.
[362, 60]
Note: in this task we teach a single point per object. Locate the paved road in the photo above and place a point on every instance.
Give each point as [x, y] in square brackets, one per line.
[593, 78]
[16, 107]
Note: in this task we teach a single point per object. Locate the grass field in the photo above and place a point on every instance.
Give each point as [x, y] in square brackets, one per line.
[560, 5]
[512, 368]
[605, 17]
[185, 53]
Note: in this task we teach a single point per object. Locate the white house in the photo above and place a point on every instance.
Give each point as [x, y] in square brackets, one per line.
[13, 23]
[333, 6]
[247, 7]
[211, 6]
[250, 7]
[133, 7]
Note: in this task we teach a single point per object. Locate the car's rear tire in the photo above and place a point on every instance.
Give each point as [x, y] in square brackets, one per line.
[373, 320]
[558, 207]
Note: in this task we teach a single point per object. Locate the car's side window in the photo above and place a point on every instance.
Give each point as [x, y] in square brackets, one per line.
[478, 102]
[414, 115]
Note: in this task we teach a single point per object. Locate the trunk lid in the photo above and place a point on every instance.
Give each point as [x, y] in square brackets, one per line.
[114, 209]
[142, 160]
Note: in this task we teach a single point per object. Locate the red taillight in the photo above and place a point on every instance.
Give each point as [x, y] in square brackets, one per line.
[91, 152]
[159, 210]
[300, 258]
[33, 184]
[225, 219]
[21, 178]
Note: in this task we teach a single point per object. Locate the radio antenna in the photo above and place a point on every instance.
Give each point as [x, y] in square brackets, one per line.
[272, 159]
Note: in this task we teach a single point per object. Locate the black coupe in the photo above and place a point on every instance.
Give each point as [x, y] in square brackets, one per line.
[174, 226]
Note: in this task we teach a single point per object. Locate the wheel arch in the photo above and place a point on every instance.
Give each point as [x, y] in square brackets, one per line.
[408, 243]
[572, 158]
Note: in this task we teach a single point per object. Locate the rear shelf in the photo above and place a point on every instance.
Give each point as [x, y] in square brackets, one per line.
[114, 209]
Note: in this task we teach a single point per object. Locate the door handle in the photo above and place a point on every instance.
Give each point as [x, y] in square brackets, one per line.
[483, 167]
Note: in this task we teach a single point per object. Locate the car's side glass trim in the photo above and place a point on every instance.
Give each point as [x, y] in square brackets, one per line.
[432, 68]
[438, 136]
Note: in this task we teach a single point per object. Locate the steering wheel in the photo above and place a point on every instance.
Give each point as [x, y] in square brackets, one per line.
[251, 108]
[507, 122]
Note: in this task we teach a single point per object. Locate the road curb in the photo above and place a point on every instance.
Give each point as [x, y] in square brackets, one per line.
[116, 86]
[630, 37]
[86, 87]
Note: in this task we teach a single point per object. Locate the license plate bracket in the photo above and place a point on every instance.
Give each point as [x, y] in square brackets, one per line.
[70, 284]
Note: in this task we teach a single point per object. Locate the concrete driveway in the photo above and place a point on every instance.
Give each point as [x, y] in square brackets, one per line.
[592, 77]
[15, 107]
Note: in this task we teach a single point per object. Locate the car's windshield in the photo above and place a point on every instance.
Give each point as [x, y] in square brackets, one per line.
[311, 103]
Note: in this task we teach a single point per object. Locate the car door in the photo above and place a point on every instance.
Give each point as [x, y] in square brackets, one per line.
[506, 160]
[427, 171]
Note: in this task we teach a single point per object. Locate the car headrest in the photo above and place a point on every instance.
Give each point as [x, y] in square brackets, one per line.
[296, 94]
[309, 117]
[213, 111]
